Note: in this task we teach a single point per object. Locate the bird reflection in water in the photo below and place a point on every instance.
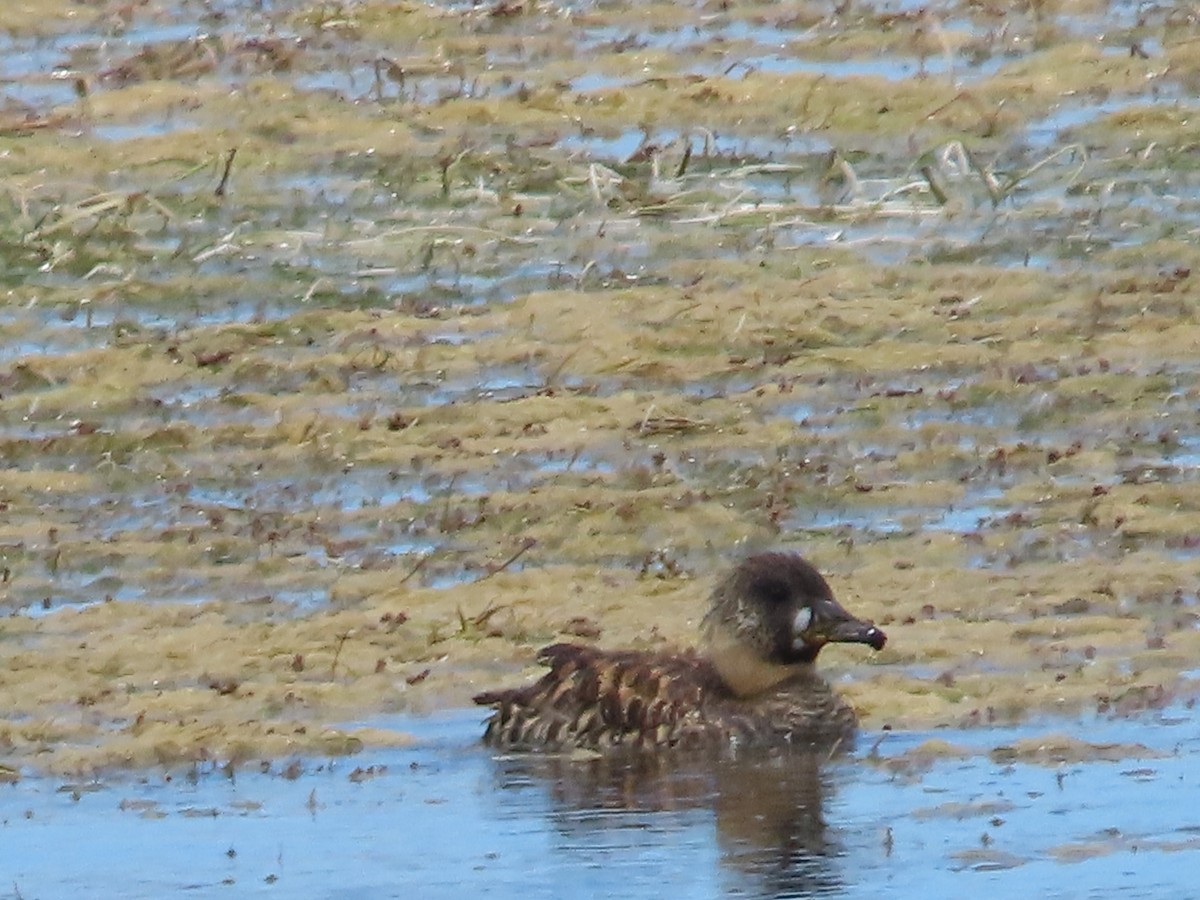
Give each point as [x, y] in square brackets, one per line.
[767, 808]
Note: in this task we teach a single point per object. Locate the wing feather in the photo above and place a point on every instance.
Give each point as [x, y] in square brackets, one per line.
[592, 698]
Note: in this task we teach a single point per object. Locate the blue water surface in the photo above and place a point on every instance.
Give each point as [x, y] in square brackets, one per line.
[449, 818]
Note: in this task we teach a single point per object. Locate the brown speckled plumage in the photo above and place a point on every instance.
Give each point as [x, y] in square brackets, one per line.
[753, 685]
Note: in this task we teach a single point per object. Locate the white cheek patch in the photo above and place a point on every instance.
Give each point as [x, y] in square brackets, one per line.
[802, 621]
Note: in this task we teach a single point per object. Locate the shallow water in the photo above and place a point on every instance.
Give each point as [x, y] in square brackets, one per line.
[325, 326]
[448, 818]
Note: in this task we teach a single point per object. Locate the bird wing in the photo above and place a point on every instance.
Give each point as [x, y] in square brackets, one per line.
[593, 698]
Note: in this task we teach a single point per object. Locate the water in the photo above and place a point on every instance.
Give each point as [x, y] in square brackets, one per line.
[350, 228]
[448, 818]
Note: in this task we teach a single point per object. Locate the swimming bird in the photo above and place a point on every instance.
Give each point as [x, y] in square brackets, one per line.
[752, 682]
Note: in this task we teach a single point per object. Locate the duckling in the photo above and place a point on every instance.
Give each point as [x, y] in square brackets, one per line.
[751, 683]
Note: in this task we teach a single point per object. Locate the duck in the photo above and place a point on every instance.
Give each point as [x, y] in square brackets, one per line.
[751, 682]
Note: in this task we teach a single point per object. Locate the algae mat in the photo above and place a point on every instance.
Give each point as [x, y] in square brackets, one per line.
[350, 352]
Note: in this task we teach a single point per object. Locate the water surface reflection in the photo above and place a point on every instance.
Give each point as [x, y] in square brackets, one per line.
[445, 818]
[764, 813]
